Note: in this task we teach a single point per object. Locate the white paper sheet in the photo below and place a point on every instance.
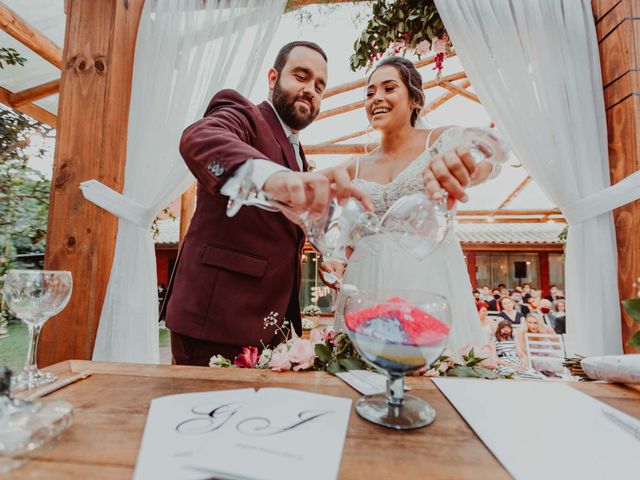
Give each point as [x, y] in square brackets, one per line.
[545, 430]
[178, 425]
[282, 435]
[364, 381]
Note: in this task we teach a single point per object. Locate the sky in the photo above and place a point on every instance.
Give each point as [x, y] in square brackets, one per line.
[334, 28]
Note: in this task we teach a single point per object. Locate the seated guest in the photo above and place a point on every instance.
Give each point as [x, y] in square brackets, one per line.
[494, 306]
[560, 324]
[519, 304]
[533, 324]
[508, 312]
[511, 358]
[546, 311]
[488, 324]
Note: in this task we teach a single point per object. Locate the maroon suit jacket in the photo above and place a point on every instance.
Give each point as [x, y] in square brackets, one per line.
[234, 273]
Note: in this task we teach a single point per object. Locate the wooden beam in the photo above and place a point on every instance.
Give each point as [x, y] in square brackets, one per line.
[355, 105]
[461, 91]
[359, 133]
[338, 149]
[515, 192]
[509, 220]
[511, 247]
[507, 213]
[34, 111]
[187, 207]
[34, 93]
[442, 99]
[347, 87]
[29, 36]
[91, 143]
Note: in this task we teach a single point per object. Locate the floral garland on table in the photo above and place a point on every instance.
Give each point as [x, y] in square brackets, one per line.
[333, 352]
[412, 26]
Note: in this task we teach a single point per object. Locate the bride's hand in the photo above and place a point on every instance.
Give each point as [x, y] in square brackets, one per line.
[334, 268]
[452, 172]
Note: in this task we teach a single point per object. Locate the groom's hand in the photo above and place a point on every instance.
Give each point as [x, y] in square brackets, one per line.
[452, 172]
[313, 190]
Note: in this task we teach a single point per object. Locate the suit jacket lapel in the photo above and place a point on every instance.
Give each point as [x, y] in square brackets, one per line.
[270, 117]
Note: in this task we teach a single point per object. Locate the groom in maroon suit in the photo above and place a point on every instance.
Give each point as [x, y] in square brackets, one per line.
[237, 279]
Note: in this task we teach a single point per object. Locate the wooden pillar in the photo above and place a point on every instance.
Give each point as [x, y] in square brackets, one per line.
[545, 277]
[618, 29]
[472, 268]
[91, 143]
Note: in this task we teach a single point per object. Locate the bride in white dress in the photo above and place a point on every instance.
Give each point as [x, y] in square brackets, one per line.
[410, 160]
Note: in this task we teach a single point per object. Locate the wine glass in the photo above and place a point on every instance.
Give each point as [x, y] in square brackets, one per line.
[419, 224]
[34, 296]
[398, 332]
[329, 233]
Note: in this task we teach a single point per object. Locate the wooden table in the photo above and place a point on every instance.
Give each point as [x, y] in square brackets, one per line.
[111, 409]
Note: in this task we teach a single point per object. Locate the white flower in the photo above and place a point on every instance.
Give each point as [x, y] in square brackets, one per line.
[218, 361]
[265, 358]
[311, 311]
[307, 324]
[423, 47]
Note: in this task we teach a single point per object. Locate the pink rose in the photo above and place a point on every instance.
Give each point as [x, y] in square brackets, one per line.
[317, 335]
[482, 351]
[439, 45]
[280, 360]
[329, 335]
[423, 47]
[432, 373]
[248, 358]
[302, 352]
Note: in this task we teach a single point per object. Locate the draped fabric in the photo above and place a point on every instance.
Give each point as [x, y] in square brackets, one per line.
[535, 66]
[186, 51]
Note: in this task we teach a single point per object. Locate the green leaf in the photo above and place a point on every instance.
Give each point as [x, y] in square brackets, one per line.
[486, 373]
[323, 352]
[352, 364]
[461, 371]
[634, 341]
[333, 367]
[632, 307]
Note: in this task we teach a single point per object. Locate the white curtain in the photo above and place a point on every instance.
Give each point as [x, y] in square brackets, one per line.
[535, 66]
[186, 51]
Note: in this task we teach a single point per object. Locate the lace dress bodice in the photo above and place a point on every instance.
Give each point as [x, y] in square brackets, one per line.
[408, 181]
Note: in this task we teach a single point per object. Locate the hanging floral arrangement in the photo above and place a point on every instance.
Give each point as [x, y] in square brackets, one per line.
[402, 27]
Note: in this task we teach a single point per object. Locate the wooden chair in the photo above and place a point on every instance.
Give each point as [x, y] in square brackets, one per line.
[546, 353]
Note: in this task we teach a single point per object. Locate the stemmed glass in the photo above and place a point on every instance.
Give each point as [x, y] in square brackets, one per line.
[34, 296]
[419, 224]
[398, 332]
[329, 233]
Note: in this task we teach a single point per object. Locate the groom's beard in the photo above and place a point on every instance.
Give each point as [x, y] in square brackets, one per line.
[284, 103]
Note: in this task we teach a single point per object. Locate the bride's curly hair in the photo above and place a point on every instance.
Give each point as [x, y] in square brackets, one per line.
[411, 79]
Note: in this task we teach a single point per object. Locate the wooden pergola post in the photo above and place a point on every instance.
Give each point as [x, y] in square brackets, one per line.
[618, 30]
[91, 143]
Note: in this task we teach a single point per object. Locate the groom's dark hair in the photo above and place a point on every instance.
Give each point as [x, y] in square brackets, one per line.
[283, 54]
[411, 79]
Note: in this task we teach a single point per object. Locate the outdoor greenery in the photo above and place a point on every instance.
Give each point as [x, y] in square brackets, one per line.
[395, 27]
[24, 192]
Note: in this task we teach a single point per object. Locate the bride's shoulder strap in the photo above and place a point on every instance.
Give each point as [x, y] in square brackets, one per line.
[353, 166]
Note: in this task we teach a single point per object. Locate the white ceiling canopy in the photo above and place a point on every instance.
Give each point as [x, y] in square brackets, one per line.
[335, 30]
